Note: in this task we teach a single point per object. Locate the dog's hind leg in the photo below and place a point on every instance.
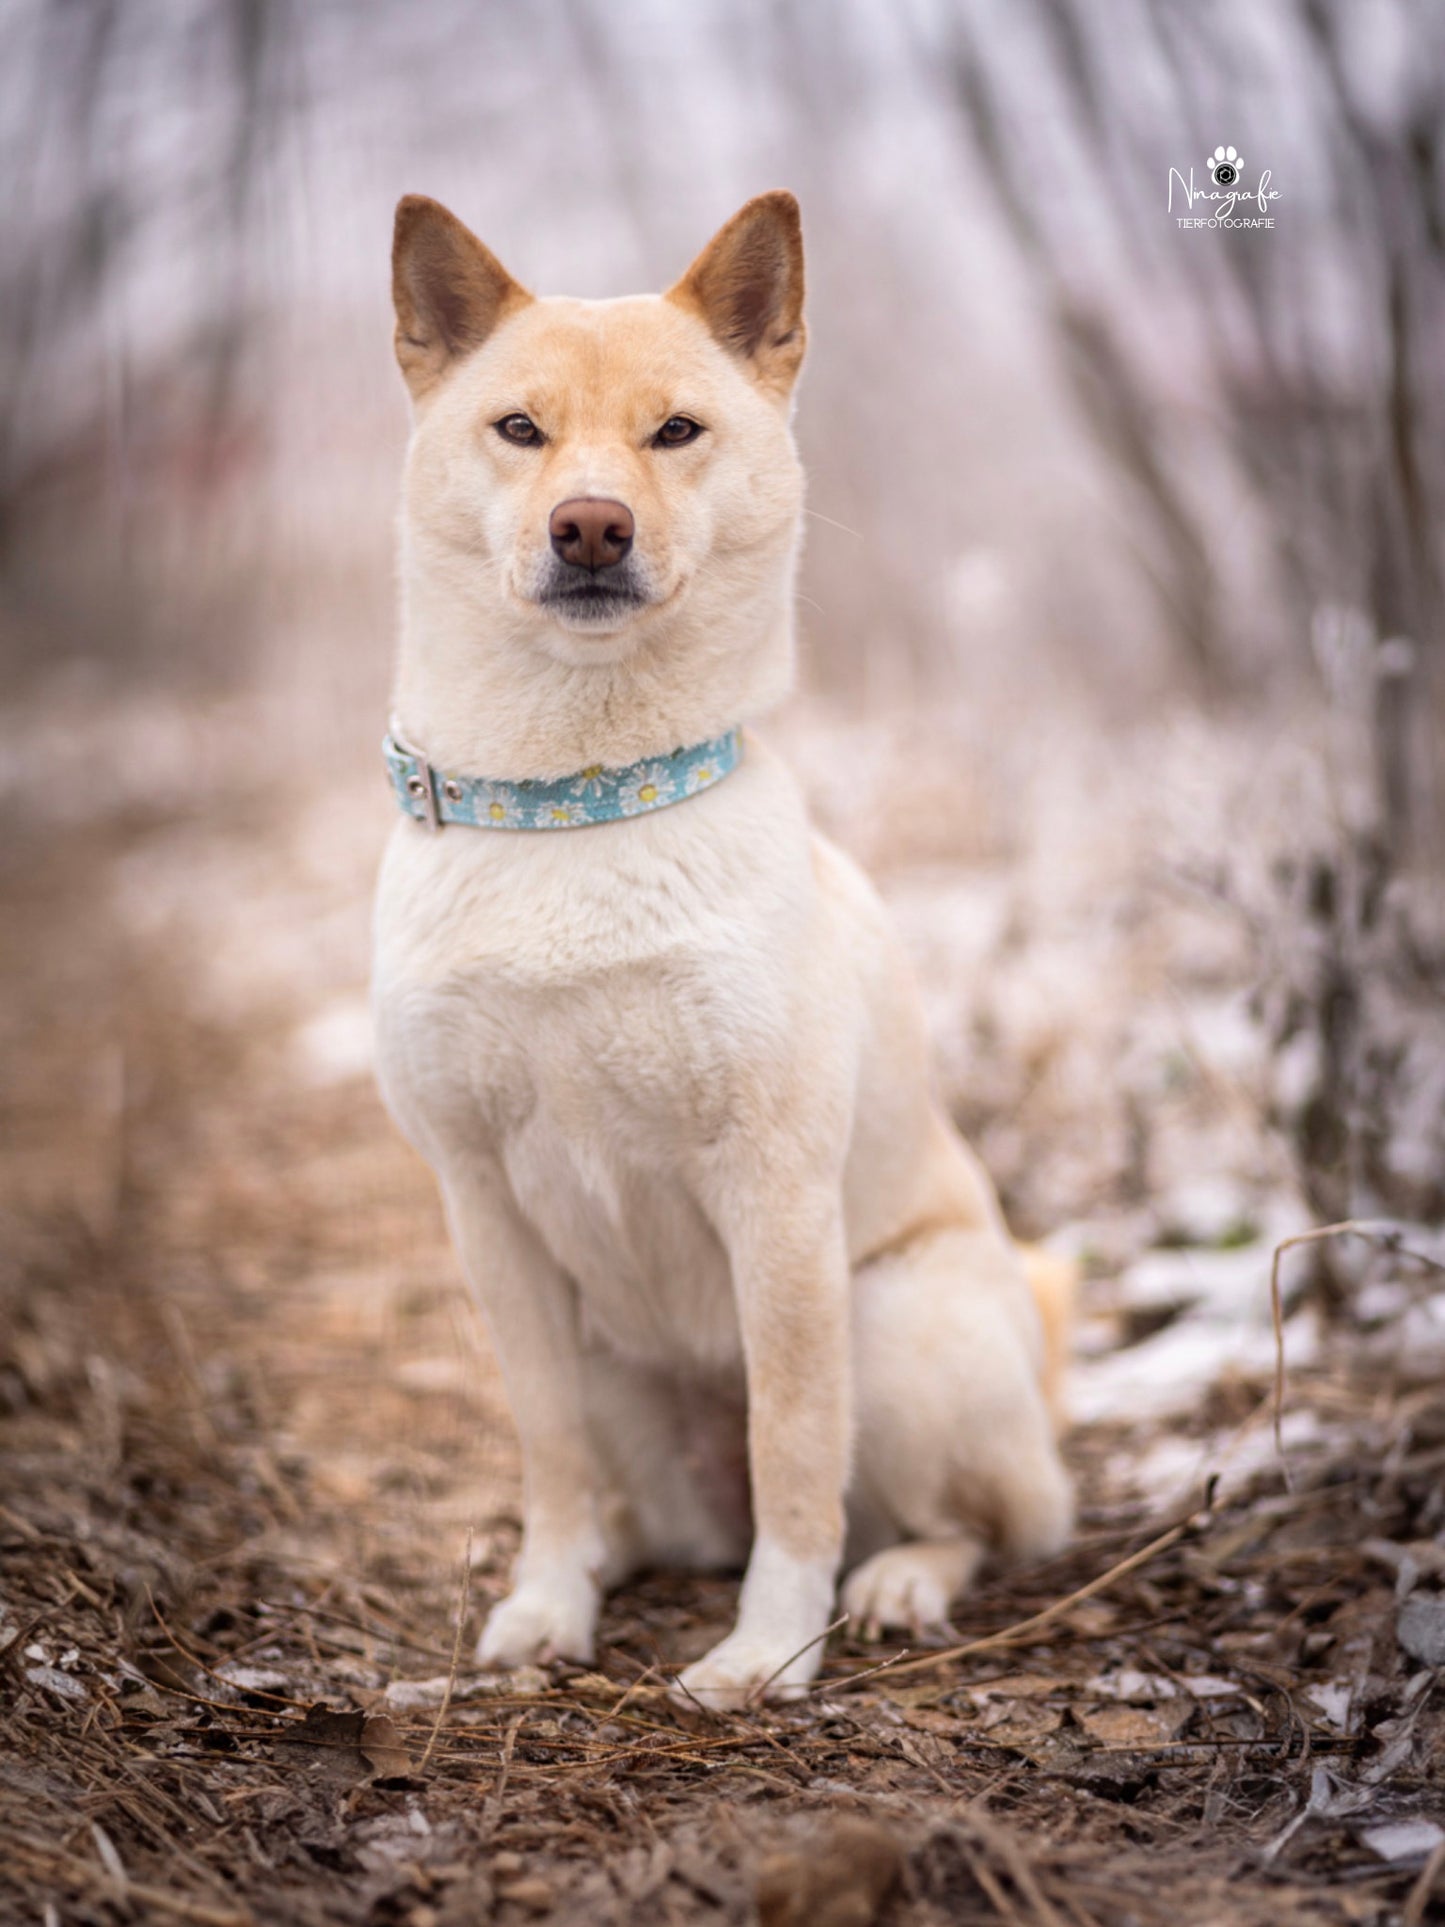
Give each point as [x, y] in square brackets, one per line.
[955, 1448]
[911, 1585]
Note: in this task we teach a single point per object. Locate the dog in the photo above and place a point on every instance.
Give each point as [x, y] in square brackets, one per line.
[752, 1296]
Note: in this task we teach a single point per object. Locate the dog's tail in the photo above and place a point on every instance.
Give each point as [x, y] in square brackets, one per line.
[1054, 1282]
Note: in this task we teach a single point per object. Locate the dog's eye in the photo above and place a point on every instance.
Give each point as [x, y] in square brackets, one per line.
[675, 431]
[520, 429]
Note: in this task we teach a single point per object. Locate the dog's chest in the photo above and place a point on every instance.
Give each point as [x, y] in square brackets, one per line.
[593, 1037]
[608, 1091]
[653, 1278]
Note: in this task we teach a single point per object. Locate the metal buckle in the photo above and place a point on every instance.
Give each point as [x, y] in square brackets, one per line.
[423, 784]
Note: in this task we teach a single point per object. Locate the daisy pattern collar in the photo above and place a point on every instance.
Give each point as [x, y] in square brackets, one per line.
[593, 795]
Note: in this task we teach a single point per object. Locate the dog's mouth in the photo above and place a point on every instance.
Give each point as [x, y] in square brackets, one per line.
[593, 599]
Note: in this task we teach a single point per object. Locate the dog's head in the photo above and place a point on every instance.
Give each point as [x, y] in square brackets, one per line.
[590, 470]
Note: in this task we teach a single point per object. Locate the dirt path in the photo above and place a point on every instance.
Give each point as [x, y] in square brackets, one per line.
[246, 1424]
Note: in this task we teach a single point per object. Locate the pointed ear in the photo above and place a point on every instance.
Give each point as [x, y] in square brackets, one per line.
[448, 290]
[747, 285]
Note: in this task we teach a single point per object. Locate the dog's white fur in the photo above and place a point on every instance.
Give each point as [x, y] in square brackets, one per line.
[670, 1071]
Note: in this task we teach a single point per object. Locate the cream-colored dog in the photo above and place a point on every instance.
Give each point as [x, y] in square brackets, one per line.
[752, 1296]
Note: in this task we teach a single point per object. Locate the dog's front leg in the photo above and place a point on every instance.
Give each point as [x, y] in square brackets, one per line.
[790, 1273]
[530, 1308]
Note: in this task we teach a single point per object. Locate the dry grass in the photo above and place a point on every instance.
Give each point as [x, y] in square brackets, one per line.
[245, 1433]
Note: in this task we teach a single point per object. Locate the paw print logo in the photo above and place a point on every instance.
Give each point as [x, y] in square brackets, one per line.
[1224, 165]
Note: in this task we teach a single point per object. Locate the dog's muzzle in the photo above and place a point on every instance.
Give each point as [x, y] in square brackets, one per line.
[592, 576]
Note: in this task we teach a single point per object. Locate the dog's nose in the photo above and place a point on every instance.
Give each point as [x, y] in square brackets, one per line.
[590, 532]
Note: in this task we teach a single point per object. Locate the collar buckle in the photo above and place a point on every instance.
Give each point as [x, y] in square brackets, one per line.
[421, 785]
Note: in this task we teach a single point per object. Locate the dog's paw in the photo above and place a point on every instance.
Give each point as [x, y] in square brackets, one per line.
[539, 1623]
[745, 1670]
[911, 1587]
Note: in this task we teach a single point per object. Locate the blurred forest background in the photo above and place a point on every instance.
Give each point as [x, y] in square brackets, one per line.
[1113, 521]
[1123, 672]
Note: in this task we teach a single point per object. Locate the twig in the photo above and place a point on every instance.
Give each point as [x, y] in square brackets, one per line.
[110, 1856]
[178, 1905]
[680, 1684]
[159, 1797]
[852, 1679]
[492, 1812]
[640, 1681]
[21, 1525]
[1006, 1847]
[1388, 1236]
[1424, 1887]
[194, 1659]
[456, 1653]
[758, 1691]
[1025, 1628]
[390, 1633]
[987, 1879]
[750, 1728]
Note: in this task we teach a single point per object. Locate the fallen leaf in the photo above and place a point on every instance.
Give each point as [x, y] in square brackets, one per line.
[1130, 1684]
[925, 1719]
[328, 1743]
[1420, 1628]
[1132, 1725]
[1334, 1698]
[1399, 1840]
[595, 1685]
[1208, 1686]
[323, 1726]
[51, 1680]
[929, 1750]
[1331, 1798]
[411, 1693]
[141, 1700]
[264, 1680]
[1021, 1721]
[383, 1749]
[408, 1694]
[1015, 1686]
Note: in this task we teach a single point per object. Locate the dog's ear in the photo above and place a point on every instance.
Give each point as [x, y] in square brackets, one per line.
[448, 290]
[747, 285]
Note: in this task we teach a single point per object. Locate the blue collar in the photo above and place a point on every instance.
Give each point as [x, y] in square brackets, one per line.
[594, 795]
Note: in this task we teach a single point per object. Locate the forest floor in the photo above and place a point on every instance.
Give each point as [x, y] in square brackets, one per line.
[258, 1485]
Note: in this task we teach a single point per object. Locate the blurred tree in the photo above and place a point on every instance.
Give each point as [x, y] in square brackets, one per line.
[1329, 435]
[136, 138]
